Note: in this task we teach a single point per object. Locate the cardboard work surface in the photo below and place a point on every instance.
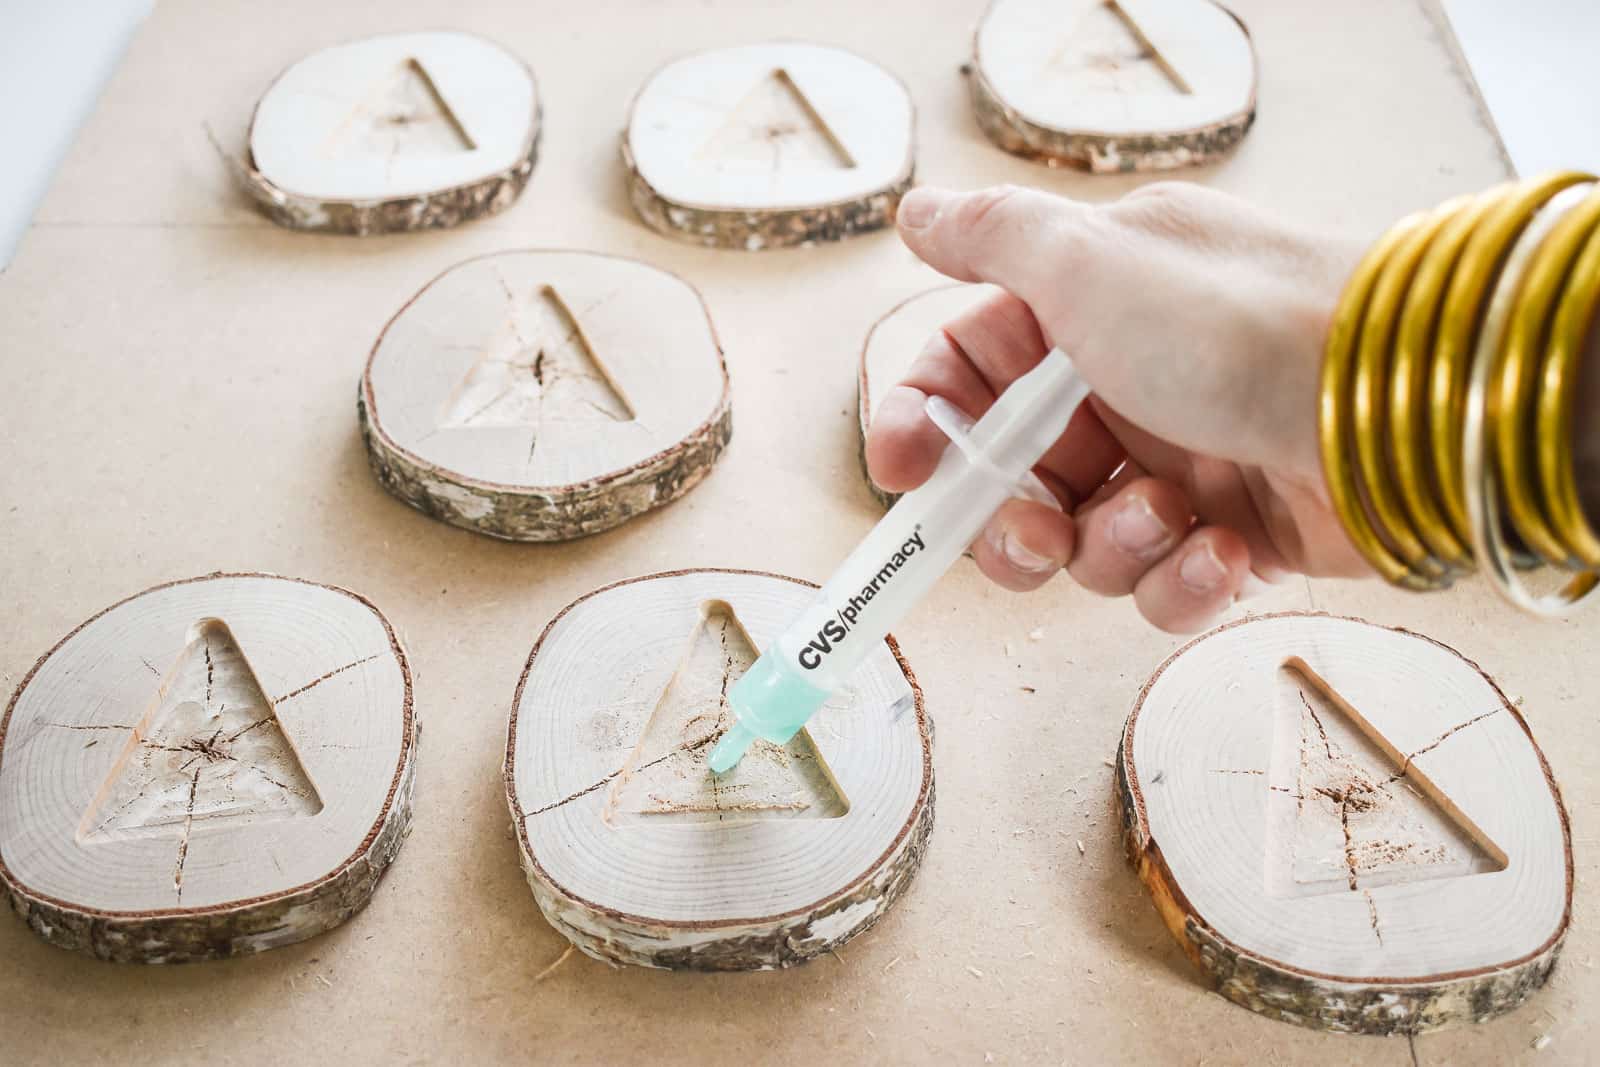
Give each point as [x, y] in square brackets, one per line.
[179, 397]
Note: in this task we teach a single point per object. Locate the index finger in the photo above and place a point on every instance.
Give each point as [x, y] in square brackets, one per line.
[973, 359]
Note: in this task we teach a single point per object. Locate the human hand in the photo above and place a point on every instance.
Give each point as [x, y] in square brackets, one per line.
[1199, 322]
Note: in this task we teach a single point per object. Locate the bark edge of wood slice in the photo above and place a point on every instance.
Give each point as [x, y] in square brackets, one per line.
[893, 343]
[624, 838]
[457, 115]
[1178, 125]
[1412, 912]
[838, 129]
[273, 771]
[546, 394]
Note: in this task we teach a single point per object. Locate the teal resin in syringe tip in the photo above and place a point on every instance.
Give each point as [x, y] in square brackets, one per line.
[985, 464]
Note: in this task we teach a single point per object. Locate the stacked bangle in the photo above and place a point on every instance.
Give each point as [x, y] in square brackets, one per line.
[1448, 379]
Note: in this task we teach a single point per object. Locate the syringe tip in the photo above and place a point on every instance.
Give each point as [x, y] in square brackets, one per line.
[725, 755]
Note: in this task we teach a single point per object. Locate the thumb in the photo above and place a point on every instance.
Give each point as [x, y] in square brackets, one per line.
[1016, 238]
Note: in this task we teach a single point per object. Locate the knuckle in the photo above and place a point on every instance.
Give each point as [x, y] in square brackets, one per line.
[990, 210]
[1166, 207]
[1163, 190]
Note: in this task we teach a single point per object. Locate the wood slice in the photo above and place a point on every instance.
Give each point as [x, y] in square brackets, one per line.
[212, 768]
[769, 145]
[1114, 85]
[542, 395]
[410, 131]
[1365, 839]
[637, 853]
[893, 345]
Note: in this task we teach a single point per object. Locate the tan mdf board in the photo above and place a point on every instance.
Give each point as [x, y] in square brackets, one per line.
[546, 395]
[1114, 85]
[637, 854]
[769, 145]
[1346, 826]
[893, 345]
[211, 768]
[401, 132]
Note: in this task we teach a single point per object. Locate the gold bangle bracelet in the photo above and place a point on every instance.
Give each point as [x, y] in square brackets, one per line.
[1514, 381]
[1484, 482]
[1334, 418]
[1370, 384]
[1580, 299]
[1447, 376]
[1459, 320]
[1448, 392]
[1408, 388]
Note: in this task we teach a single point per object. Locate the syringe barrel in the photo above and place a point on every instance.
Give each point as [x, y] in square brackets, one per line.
[906, 553]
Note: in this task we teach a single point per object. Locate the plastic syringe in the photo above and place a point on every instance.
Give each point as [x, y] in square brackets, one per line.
[985, 464]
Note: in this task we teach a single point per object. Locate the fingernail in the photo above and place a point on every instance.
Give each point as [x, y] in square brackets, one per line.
[1202, 570]
[1138, 531]
[1021, 557]
[918, 208]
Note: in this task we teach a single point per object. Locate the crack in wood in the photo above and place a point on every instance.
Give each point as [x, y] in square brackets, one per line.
[1349, 845]
[511, 301]
[687, 746]
[183, 842]
[1326, 744]
[722, 711]
[1372, 916]
[316, 682]
[281, 785]
[1441, 739]
[246, 729]
[120, 809]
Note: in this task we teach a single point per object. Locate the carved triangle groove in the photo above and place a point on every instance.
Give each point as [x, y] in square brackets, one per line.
[666, 780]
[1106, 52]
[1363, 814]
[776, 127]
[404, 114]
[537, 369]
[209, 748]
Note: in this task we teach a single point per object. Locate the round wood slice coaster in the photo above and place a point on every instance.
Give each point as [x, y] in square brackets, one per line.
[769, 145]
[1346, 826]
[542, 396]
[211, 768]
[1114, 85]
[893, 345]
[410, 131]
[637, 853]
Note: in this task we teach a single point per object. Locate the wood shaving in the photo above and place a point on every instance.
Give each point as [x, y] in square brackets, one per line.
[548, 971]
